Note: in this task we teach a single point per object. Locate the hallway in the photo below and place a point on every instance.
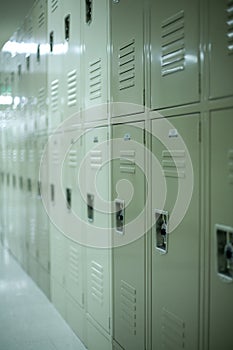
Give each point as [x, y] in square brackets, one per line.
[28, 321]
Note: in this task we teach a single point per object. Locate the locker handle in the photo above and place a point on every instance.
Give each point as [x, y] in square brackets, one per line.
[67, 28]
[88, 11]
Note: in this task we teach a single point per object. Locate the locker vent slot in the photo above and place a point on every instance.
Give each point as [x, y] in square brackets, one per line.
[126, 65]
[74, 263]
[14, 155]
[22, 155]
[173, 331]
[173, 163]
[95, 79]
[54, 5]
[173, 46]
[230, 27]
[54, 95]
[72, 88]
[127, 162]
[97, 282]
[41, 97]
[96, 159]
[128, 307]
[55, 157]
[41, 19]
[31, 156]
[73, 158]
[230, 166]
[32, 228]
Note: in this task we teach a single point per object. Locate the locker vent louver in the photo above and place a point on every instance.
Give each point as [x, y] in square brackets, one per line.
[173, 332]
[9, 155]
[55, 157]
[54, 5]
[41, 19]
[22, 155]
[41, 97]
[173, 46]
[126, 65]
[4, 155]
[31, 156]
[97, 282]
[72, 88]
[128, 307]
[127, 162]
[230, 166]
[96, 159]
[15, 155]
[173, 163]
[74, 263]
[95, 79]
[230, 27]
[54, 95]
[73, 158]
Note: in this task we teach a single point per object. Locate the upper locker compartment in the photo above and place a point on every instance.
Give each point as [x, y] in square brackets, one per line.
[220, 48]
[174, 53]
[127, 81]
[57, 47]
[95, 58]
[71, 64]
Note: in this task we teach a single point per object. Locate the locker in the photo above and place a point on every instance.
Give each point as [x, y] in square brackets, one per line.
[40, 61]
[95, 24]
[127, 80]
[44, 280]
[71, 60]
[221, 232]
[57, 48]
[58, 297]
[174, 53]
[97, 222]
[58, 256]
[220, 48]
[176, 233]
[128, 187]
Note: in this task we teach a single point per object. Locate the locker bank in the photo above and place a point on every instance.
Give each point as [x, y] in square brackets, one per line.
[116, 179]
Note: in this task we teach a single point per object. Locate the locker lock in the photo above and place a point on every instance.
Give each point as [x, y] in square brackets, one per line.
[161, 231]
[120, 216]
[229, 251]
[224, 252]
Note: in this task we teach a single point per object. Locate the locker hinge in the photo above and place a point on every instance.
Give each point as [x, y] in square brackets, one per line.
[144, 136]
[199, 131]
[109, 323]
[144, 97]
[49, 266]
[83, 299]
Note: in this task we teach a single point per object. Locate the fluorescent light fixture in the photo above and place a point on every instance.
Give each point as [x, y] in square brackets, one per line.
[6, 100]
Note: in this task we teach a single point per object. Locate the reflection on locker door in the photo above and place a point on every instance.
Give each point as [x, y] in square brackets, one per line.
[127, 59]
[174, 45]
[221, 226]
[97, 225]
[128, 257]
[175, 254]
[220, 48]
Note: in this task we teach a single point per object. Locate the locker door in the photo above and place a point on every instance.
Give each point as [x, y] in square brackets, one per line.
[71, 60]
[220, 48]
[174, 53]
[129, 257]
[127, 59]
[176, 234]
[221, 226]
[97, 222]
[95, 57]
[57, 49]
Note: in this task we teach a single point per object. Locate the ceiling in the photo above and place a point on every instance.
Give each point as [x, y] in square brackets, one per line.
[12, 14]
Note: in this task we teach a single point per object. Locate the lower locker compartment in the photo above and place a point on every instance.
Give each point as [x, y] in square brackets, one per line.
[58, 297]
[97, 339]
[33, 268]
[76, 318]
[44, 281]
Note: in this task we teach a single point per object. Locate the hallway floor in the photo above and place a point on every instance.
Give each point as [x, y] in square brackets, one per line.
[28, 321]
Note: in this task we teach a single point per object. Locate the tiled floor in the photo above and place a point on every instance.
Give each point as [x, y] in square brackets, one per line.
[28, 321]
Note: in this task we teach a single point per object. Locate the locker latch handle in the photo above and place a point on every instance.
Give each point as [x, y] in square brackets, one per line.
[88, 11]
[119, 216]
[67, 28]
[90, 207]
[68, 198]
[161, 231]
[51, 41]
